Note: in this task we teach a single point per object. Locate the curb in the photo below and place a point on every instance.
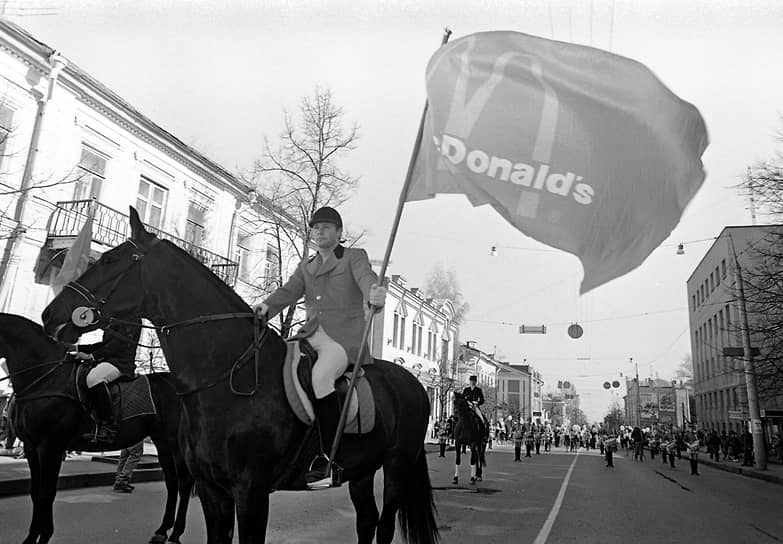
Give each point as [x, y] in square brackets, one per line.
[21, 486]
[744, 471]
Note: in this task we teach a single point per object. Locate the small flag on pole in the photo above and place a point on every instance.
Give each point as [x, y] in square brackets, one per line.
[578, 148]
[78, 257]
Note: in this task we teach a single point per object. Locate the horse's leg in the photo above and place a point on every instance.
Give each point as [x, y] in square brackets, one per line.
[252, 500]
[395, 474]
[218, 506]
[363, 498]
[31, 454]
[51, 459]
[166, 460]
[473, 463]
[458, 450]
[185, 485]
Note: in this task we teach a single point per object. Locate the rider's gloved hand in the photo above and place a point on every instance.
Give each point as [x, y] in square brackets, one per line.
[82, 356]
[377, 296]
[261, 309]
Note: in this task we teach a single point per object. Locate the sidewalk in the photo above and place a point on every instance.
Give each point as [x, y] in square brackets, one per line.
[87, 470]
[773, 474]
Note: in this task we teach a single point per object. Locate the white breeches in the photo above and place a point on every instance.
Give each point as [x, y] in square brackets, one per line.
[103, 372]
[332, 362]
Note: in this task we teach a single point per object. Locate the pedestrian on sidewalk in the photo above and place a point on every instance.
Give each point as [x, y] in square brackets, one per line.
[129, 458]
[528, 443]
[443, 438]
[672, 451]
[724, 444]
[747, 449]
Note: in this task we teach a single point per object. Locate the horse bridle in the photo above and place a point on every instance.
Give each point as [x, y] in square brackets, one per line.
[85, 316]
[92, 314]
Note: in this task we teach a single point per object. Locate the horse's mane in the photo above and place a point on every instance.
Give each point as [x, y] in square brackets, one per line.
[460, 404]
[220, 286]
[29, 329]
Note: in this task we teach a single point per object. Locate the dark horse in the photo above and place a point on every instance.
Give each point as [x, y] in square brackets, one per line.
[49, 417]
[241, 434]
[468, 431]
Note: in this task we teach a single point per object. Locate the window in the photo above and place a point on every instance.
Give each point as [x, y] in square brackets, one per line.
[244, 256]
[396, 329]
[194, 225]
[6, 118]
[92, 173]
[402, 332]
[693, 302]
[151, 203]
[712, 282]
[717, 277]
[272, 267]
[413, 337]
[723, 268]
[418, 344]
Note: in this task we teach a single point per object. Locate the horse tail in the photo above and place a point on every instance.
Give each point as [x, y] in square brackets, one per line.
[417, 511]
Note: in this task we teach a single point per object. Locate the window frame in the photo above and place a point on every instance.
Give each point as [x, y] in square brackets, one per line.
[146, 208]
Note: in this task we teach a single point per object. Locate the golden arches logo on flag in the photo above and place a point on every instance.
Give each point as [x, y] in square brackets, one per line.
[578, 148]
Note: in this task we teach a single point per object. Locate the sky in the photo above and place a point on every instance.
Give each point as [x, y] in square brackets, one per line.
[218, 74]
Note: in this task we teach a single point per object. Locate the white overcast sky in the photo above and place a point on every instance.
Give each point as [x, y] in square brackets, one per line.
[218, 73]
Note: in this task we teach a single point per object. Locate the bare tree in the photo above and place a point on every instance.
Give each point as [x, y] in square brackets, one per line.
[441, 284]
[614, 417]
[300, 172]
[762, 272]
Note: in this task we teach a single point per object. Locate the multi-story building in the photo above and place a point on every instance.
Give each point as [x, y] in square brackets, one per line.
[527, 381]
[657, 402]
[69, 143]
[719, 381]
[421, 335]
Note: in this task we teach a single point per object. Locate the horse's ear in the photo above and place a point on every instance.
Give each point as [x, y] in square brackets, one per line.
[138, 232]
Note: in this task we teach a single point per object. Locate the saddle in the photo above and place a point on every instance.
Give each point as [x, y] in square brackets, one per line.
[297, 379]
[131, 397]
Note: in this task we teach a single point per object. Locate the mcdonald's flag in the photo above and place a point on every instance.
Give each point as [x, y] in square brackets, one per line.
[78, 257]
[578, 148]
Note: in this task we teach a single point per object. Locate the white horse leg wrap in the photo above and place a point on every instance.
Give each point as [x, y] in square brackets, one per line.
[472, 471]
[456, 471]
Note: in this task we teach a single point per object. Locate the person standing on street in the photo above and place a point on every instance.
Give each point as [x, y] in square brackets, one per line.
[443, 438]
[517, 434]
[693, 450]
[129, 458]
[609, 443]
[747, 449]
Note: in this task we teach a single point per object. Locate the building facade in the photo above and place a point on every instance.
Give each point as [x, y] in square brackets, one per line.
[69, 144]
[420, 334]
[719, 381]
[657, 402]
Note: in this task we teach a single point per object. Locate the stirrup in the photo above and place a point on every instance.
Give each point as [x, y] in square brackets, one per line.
[326, 481]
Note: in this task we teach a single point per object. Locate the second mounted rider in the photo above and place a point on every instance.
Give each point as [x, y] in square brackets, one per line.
[114, 357]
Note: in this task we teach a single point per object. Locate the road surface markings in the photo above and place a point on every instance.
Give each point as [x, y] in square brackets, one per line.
[543, 534]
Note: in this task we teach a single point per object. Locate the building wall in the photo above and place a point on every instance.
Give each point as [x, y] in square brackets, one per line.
[82, 114]
[719, 382]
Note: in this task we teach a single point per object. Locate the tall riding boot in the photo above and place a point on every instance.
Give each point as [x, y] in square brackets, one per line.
[328, 413]
[106, 429]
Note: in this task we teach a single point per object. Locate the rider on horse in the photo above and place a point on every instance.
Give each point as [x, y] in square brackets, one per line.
[113, 357]
[475, 397]
[337, 283]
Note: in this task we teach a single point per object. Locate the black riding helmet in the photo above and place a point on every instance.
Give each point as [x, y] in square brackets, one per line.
[327, 215]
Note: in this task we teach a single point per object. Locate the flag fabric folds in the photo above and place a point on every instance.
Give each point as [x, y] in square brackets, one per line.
[578, 148]
[78, 257]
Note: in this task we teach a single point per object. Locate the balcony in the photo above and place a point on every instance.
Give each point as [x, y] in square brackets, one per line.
[110, 228]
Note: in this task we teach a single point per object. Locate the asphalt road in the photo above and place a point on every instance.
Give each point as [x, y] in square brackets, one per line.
[516, 503]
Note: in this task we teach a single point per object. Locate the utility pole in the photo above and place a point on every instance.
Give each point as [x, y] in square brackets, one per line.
[638, 396]
[759, 445]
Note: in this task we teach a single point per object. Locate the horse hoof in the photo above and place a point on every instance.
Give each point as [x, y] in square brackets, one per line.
[455, 481]
[473, 480]
[158, 539]
[478, 479]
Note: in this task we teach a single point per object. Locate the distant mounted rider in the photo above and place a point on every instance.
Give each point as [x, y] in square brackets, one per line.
[475, 398]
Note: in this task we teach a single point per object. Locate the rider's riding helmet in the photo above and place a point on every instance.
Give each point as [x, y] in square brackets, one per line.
[327, 215]
[473, 379]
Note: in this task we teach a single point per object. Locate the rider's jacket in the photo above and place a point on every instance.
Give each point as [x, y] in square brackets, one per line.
[474, 394]
[118, 348]
[335, 292]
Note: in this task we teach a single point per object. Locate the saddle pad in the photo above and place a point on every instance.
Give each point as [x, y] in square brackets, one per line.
[361, 411]
[135, 398]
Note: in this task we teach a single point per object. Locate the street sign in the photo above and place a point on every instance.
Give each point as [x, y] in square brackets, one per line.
[738, 414]
[739, 352]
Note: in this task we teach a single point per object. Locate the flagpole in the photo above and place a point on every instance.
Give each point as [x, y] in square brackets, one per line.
[389, 246]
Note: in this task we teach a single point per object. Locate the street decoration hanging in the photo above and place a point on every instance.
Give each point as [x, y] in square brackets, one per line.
[575, 330]
[607, 385]
[578, 148]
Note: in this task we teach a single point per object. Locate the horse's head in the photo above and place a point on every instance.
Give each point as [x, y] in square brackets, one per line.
[460, 404]
[112, 287]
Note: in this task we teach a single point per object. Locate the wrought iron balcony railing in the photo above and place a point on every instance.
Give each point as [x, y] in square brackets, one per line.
[110, 228]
